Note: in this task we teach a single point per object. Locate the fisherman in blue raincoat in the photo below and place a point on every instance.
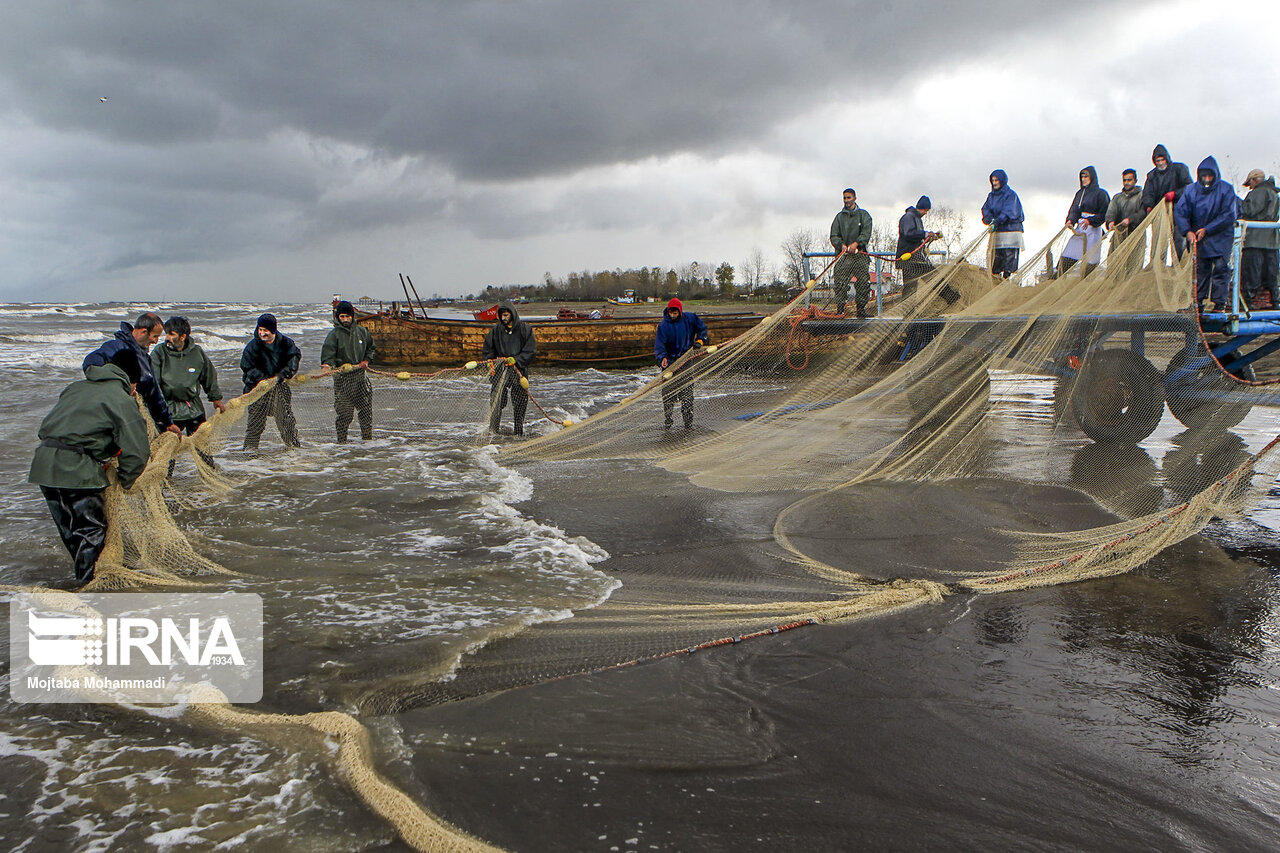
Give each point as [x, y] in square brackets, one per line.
[1002, 211]
[1206, 215]
[679, 332]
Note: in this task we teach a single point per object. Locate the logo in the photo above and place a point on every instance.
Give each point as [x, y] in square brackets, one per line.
[136, 647]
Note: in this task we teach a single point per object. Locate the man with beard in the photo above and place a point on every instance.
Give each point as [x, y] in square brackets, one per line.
[511, 340]
[1206, 216]
[349, 348]
[1166, 182]
[1258, 263]
[270, 355]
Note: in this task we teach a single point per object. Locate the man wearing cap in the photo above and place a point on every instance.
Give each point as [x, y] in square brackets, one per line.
[94, 421]
[850, 234]
[678, 332]
[349, 343]
[270, 355]
[140, 337]
[1259, 261]
[912, 254]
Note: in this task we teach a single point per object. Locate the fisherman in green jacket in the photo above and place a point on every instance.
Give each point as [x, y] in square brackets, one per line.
[850, 234]
[182, 369]
[94, 420]
[349, 344]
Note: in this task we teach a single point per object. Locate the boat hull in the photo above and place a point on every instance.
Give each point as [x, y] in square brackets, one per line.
[406, 342]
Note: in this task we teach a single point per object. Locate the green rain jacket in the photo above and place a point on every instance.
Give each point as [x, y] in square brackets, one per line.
[99, 417]
[181, 374]
[850, 226]
[347, 345]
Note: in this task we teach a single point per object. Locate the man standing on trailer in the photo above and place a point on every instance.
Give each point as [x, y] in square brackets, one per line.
[1259, 261]
[1206, 216]
[850, 234]
[1002, 213]
[912, 254]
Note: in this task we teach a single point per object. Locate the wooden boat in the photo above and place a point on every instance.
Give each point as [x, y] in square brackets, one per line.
[488, 315]
[408, 342]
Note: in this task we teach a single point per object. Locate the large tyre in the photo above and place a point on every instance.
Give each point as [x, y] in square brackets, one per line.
[1118, 396]
[1205, 398]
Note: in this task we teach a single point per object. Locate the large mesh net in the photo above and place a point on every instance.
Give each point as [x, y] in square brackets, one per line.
[979, 435]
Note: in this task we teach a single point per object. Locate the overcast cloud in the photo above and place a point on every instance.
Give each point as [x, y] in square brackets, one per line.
[292, 150]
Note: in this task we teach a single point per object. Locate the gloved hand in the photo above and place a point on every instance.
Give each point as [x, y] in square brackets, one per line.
[1170, 195]
[511, 360]
[697, 344]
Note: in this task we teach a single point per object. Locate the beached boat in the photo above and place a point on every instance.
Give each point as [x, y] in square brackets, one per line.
[404, 341]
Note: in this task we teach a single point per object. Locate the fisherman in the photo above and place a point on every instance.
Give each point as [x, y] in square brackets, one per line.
[94, 421]
[1166, 182]
[1002, 212]
[511, 340]
[912, 254]
[678, 332]
[1259, 261]
[270, 355]
[182, 369]
[139, 337]
[850, 234]
[1124, 216]
[349, 343]
[1085, 218]
[1206, 215]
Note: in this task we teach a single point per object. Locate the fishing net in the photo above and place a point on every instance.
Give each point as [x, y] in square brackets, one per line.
[980, 435]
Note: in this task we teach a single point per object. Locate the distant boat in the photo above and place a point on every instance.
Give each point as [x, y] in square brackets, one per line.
[407, 342]
[488, 315]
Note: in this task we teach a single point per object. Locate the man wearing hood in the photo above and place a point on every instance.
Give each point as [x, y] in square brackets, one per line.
[1085, 218]
[270, 355]
[912, 254]
[1258, 263]
[1002, 213]
[182, 369]
[349, 344]
[1205, 215]
[511, 339]
[1124, 216]
[139, 338]
[850, 234]
[94, 421]
[678, 332]
[1166, 182]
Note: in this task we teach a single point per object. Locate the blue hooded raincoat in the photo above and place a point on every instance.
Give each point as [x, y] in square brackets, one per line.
[1214, 208]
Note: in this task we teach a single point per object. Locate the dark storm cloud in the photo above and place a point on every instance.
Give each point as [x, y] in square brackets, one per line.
[486, 89]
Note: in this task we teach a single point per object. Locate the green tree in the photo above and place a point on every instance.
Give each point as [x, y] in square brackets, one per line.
[724, 279]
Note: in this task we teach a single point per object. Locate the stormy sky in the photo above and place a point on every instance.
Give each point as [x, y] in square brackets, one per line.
[268, 150]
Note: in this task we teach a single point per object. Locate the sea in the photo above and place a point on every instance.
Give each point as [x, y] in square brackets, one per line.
[1132, 713]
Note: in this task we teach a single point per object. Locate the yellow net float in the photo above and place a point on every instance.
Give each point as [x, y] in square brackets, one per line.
[471, 365]
[403, 375]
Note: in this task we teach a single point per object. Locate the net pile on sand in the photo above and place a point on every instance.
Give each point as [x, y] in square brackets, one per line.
[835, 469]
